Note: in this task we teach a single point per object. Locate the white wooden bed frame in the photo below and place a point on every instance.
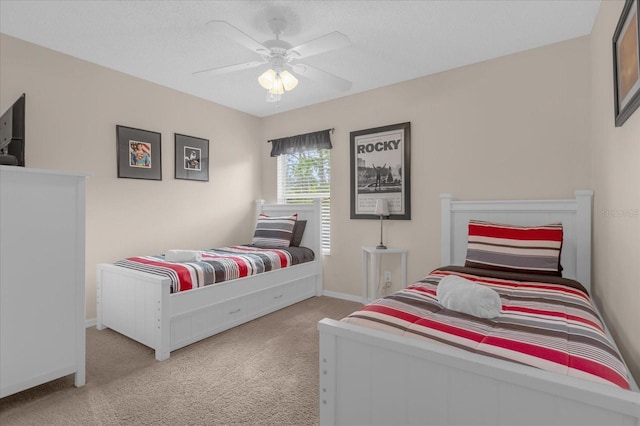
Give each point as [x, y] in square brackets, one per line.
[371, 377]
[140, 306]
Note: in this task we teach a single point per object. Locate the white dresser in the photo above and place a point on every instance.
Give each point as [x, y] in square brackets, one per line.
[42, 262]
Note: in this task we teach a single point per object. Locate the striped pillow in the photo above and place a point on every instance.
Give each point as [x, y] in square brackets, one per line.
[529, 249]
[273, 232]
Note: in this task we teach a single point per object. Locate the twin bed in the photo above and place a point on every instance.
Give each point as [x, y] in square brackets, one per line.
[149, 308]
[406, 359]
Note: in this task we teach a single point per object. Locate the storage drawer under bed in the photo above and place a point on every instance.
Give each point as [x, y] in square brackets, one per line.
[194, 326]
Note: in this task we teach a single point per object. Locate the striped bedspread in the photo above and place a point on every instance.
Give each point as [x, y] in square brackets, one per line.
[546, 322]
[217, 265]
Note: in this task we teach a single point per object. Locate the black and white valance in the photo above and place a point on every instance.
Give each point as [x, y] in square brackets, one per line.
[301, 143]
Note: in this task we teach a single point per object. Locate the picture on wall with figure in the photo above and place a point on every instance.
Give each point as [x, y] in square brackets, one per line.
[192, 158]
[380, 169]
[139, 154]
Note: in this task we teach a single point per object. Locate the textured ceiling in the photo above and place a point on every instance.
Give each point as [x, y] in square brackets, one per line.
[391, 41]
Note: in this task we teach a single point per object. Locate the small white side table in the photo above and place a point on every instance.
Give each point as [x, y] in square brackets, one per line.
[370, 259]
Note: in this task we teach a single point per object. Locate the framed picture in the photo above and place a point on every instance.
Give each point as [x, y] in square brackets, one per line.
[626, 63]
[380, 168]
[139, 153]
[192, 158]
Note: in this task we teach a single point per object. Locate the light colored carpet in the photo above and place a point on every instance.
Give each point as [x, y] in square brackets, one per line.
[264, 372]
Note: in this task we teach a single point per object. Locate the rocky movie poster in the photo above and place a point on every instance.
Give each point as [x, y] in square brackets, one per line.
[380, 165]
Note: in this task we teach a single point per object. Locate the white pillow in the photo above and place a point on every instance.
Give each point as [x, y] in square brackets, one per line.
[183, 256]
[462, 295]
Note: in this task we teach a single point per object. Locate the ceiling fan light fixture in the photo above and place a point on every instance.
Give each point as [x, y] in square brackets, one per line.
[276, 83]
[288, 80]
[267, 79]
[278, 55]
[278, 87]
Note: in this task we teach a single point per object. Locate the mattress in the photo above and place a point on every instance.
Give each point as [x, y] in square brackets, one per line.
[219, 265]
[545, 322]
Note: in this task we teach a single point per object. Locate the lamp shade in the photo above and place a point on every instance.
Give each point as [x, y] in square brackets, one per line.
[288, 80]
[267, 78]
[277, 88]
[382, 208]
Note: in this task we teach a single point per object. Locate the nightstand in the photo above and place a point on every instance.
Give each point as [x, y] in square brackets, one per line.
[370, 260]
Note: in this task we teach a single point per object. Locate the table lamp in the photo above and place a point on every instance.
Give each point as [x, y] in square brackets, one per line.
[382, 209]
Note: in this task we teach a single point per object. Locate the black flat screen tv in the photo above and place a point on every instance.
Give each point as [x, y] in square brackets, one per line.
[12, 134]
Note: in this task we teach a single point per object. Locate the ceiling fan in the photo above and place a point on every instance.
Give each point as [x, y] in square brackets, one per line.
[282, 57]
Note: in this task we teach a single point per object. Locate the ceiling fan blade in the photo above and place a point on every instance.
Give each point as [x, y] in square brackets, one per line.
[230, 68]
[331, 41]
[323, 77]
[237, 35]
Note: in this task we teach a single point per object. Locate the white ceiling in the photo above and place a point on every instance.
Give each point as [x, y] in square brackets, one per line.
[391, 41]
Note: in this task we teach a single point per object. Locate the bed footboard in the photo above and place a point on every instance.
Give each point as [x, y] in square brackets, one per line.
[368, 377]
[135, 304]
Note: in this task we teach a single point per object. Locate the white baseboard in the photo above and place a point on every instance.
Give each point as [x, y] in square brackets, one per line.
[343, 296]
[91, 322]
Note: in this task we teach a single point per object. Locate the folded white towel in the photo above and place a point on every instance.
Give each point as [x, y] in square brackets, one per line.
[462, 295]
[183, 256]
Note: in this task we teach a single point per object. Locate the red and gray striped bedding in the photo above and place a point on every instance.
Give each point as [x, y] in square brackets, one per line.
[218, 265]
[546, 322]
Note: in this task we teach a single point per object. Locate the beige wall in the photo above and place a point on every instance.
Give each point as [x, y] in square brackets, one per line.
[72, 111]
[615, 157]
[507, 128]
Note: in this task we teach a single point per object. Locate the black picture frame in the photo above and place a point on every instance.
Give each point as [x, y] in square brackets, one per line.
[192, 158]
[381, 168]
[139, 153]
[626, 62]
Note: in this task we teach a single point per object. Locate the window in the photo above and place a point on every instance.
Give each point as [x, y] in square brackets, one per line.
[303, 177]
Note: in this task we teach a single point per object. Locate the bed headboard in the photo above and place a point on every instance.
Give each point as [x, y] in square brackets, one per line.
[312, 236]
[575, 215]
